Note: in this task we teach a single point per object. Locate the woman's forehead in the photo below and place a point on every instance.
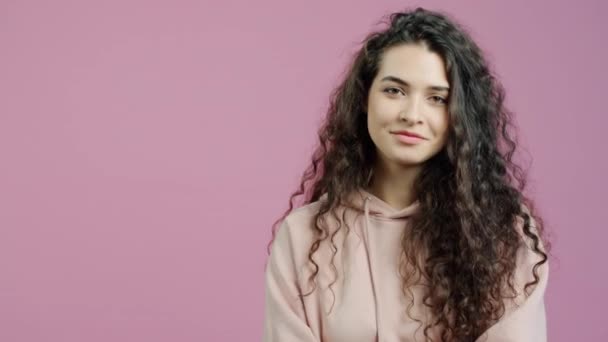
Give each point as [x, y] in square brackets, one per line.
[414, 65]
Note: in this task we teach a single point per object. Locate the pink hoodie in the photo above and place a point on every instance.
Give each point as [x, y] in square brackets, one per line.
[368, 304]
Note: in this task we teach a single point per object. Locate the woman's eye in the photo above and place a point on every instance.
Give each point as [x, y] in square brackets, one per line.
[392, 91]
[439, 99]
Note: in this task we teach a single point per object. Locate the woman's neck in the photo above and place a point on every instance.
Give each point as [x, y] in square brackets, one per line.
[395, 185]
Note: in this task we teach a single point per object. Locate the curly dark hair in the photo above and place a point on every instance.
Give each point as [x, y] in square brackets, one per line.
[471, 192]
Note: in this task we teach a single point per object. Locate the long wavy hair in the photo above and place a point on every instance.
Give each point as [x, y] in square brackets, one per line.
[470, 192]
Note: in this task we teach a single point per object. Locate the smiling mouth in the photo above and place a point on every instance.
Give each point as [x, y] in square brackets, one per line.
[408, 133]
[408, 139]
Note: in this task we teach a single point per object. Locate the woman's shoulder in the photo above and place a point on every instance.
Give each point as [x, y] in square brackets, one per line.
[293, 238]
[300, 220]
[298, 229]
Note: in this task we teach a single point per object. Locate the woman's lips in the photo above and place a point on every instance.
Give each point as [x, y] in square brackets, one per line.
[408, 139]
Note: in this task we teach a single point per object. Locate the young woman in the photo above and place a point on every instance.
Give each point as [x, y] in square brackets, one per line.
[414, 225]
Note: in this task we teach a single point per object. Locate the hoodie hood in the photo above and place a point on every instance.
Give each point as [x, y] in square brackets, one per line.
[371, 205]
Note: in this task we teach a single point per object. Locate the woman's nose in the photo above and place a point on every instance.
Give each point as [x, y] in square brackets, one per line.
[412, 109]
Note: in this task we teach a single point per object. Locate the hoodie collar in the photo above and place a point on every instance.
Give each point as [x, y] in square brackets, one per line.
[371, 205]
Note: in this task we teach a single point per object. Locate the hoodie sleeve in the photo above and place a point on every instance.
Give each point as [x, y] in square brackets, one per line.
[284, 316]
[524, 321]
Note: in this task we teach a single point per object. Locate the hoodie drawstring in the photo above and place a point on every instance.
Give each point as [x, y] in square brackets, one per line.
[368, 247]
[366, 210]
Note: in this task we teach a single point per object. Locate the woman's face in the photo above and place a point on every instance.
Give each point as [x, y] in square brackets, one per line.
[410, 93]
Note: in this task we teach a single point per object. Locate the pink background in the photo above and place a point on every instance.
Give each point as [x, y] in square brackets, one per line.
[147, 146]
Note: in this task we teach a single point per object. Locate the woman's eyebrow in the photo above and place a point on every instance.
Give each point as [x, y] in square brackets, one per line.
[404, 83]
